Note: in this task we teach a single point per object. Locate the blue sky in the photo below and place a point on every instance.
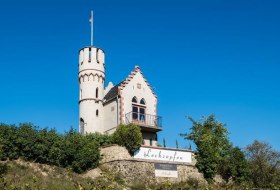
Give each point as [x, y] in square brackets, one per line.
[201, 56]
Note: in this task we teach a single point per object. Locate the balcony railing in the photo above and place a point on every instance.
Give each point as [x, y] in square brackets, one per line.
[144, 120]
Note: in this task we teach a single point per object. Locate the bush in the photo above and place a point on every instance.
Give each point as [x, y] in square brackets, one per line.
[70, 150]
[99, 139]
[129, 136]
[3, 169]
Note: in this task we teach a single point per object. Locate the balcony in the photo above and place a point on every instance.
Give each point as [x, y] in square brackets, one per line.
[148, 123]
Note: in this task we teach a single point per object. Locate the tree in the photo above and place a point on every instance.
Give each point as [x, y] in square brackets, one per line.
[129, 136]
[264, 163]
[211, 139]
[234, 166]
[164, 145]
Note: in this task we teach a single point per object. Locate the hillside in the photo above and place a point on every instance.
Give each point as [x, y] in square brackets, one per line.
[22, 175]
[26, 175]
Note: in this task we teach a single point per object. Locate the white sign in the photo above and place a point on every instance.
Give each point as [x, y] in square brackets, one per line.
[166, 170]
[166, 173]
[163, 155]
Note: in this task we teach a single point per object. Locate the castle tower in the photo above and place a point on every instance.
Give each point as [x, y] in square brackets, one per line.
[91, 83]
[91, 80]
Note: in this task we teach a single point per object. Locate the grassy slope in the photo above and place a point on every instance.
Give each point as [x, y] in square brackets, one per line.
[23, 175]
[28, 176]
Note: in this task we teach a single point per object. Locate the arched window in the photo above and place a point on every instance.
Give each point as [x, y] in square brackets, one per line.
[96, 93]
[138, 111]
[97, 113]
[142, 101]
[82, 126]
[134, 109]
[134, 100]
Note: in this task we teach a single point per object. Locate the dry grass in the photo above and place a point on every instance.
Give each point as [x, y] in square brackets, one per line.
[26, 176]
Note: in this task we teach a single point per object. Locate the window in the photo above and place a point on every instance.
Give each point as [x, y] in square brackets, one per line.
[135, 112]
[142, 101]
[89, 55]
[138, 110]
[142, 113]
[96, 93]
[97, 113]
[134, 100]
[82, 126]
[151, 142]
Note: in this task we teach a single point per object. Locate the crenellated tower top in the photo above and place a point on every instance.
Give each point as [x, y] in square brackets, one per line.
[91, 83]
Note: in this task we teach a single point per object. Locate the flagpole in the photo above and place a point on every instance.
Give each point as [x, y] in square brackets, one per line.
[91, 28]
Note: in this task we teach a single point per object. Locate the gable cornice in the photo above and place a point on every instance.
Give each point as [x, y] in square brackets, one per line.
[130, 77]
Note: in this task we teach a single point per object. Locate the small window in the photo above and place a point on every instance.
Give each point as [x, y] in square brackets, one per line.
[143, 101]
[82, 126]
[97, 113]
[135, 112]
[151, 142]
[134, 100]
[89, 55]
[96, 93]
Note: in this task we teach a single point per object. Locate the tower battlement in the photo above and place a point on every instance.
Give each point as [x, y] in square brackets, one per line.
[92, 58]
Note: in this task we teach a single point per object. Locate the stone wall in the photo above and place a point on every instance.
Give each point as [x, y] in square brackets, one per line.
[118, 160]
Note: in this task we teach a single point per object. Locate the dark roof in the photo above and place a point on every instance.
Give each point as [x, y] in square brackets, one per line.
[113, 93]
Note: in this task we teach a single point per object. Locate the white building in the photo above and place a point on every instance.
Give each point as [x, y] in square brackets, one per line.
[103, 109]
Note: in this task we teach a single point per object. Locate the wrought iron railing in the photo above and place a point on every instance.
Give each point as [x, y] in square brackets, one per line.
[145, 120]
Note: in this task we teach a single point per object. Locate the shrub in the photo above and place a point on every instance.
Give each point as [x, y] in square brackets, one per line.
[71, 150]
[76, 152]
[3, 169]
[129, 136]
[99, 139]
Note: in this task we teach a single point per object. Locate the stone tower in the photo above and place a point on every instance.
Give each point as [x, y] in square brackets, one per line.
[91, 83]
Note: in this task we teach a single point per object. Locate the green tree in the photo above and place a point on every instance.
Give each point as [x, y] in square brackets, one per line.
[8, 134]
[77, 152]
[264, 165]
[211, 139]
[129, 136]
[234, 166]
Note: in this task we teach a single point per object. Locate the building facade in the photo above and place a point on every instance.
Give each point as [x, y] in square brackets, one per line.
[103, 109]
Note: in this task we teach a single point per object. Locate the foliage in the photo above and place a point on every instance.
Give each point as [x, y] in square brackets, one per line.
[76, 152]
[109, 180]
[190, 184]
[234, 166]
[3, 169]
[99, 139]
[129, 136]
[71, 150]
[210, 137]
[264, 165]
